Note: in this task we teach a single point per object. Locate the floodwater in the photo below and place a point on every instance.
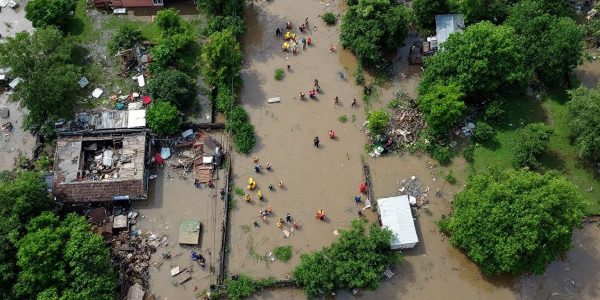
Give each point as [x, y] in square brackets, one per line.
[327, 178]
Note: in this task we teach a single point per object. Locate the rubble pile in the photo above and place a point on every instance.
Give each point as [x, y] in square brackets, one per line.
[104, 161]
[136, 58]
[193, 151]
[405, 123]
[411, 186]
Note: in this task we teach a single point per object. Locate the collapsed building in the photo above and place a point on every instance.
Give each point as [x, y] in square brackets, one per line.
[107, 163]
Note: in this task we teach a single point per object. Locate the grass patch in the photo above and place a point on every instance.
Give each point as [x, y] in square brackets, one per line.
[278, 74]
[283, 253]
[353, 118]
[239, 191]
[150, 31]
[80, 26]
[343, 118]
[561, 155]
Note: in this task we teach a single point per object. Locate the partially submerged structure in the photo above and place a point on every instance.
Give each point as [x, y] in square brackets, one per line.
[396, 215]
[445, 25]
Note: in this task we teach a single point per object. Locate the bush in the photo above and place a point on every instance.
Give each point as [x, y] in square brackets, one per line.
[343, 118]
[244, 138]
[43, 163]
[279, 74]
[329, 18]
[442, 106]
[469, 153]
[514, 221]
[378, 121]
[359, 78]
[394, 103]
[450, 178]
[494, 112]
[222, 60]
[125, 38]
[170, 22]
[163, 118]
[44, 13]
[283, 253]
[443, 154]
[483, 132]
[224, 100]
[173, 86]
[220, 23]
[169, 51]
[242, 287]
[584, 109]
[237, 118]
[531, 142]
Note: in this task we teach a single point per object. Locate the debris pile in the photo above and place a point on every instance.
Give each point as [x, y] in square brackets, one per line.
[411, 186]
[103, 160]
[406, 122]
[133, 59]
[7, 128]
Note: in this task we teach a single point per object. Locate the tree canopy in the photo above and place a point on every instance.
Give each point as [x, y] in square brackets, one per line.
[514, 221]
[125, 38]
[378, 121]
[483, 59]
[43, 13]
[222, 59]
[222, 7]
[425, 11]
[584, 127]
[372, 27]
[44, 60]
[442, 106]
[355, 260]
[170, 22]
[220, 23]
[553, 45]
[531, 142]
[63, 260]
[163, 118]
[173, 86]
[23, 196]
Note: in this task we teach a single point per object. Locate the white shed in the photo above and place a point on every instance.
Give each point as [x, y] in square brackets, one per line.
[396, 215]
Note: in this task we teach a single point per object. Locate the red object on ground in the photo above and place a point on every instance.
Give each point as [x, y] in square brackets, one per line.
[331, 134]
[363, 187]
[146, 99]
[158, 159]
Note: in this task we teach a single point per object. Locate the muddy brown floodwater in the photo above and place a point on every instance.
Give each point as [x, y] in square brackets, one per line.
[327, 178]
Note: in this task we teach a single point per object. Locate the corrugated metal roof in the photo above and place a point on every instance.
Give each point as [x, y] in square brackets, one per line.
[396, 215]
[446, 25]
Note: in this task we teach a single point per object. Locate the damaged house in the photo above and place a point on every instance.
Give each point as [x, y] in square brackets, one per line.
[102, 165]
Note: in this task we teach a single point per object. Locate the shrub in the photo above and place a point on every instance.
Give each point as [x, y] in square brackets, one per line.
[442, 106]
[394, 103]
[329, 18]
[443, 154]
[584, 109]
[450, 178]
[531, 142]
[483, 132]
[43, 163]
[125, 38]
[279, 74]
[173, 86]
[244, 138]
[343, 118]
[236, 118]
[220, 23]
[170, 22]
[283, 253]
[224, 100]
[469, 153]
[163, 118]
[241, 287]
[494, 111]
[378, 121]
[359, 78]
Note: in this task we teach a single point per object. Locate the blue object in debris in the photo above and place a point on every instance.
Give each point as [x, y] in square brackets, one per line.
[120, 106]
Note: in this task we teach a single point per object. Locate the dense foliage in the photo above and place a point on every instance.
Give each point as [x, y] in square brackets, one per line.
[483, 132]
[44, 60]
[244, 138]
[170, 22]
[425, 11]
[22, 196]
[514, 221]
[177, 39]
[329, 18]
[584, 127]
[355, 260]
[378, 121]
[173, 86]
[222, 59]
[553, 46]
[63, 260]
[442, 106]
[373, 27]
[225, 101]
[220, 23]
[531, 142]
[163, 118]
[125, 38]
[480, 10]
[222, 7]
[283, 253]
[43, 13]
[484, 59]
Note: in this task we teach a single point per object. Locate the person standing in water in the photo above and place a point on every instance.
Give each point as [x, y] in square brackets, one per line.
[316, 141]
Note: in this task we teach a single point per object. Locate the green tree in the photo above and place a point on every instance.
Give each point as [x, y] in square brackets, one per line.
[173, 86]
[553, 46]
[224, 100]
[44, 59]
[220, 23]
[514, 221]
[244, 138]
[170, 22]
[241, 287]
[373, 27]
[483, 59]
[531, 142]
[163, 118]
[23, 196]
[63, 258]
[483, 132]
[425, 11]
[442, 106]
[355, 260]
[43, 13]
[592, 30]
[170, 52]
[378, 121]
[222, 7]
[125, 38]
[584, 127]
[222, 59]
[481, 10]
